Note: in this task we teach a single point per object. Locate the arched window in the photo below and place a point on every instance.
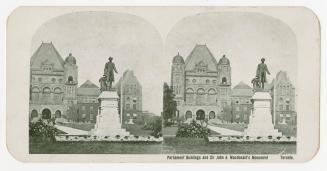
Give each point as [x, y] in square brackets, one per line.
[212, 96]
[35, 94]
[57, 96]
[188, 115]
[58, 114]
[200, 96]
[46, 94]
[212, 115]
[224, 80]
[70, 79]
[189, 96]
[34, 113]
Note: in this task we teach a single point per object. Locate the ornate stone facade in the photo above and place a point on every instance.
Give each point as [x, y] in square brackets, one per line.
[241, 103]
[283, 94]
[87, 102]
[202, 86]
[132, 95]
[53, 83]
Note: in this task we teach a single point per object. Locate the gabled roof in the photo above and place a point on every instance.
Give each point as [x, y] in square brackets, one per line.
[198, 54]
[47, 53]
[242, 89]
[88, 89]
[128, 78]
[88, 84]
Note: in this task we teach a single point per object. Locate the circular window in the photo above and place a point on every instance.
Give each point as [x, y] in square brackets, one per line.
[194, 81]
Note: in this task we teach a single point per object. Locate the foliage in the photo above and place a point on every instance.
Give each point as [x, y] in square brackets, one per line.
[42, 129]
[192, 130]
[169, 104]
[155, 126]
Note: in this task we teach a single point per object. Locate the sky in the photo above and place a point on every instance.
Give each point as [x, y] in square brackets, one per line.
[137, 45]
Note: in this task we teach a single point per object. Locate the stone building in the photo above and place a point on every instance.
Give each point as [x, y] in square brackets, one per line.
[241, 103]
[202, 86]
[53, 83]
[283, 94]
[87, 102]
[132, 95]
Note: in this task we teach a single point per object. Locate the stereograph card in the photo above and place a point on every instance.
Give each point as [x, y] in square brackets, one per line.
[163, 84]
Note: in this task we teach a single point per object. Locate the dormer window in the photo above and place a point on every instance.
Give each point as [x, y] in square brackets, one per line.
[201, 67]
[47, 67]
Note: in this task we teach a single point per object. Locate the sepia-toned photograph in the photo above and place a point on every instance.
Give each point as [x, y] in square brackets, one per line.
[177, 85]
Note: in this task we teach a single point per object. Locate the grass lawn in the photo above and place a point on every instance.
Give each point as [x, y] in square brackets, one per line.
[41, 147]
[137, 130]
[169, 131]
[287, 130]
[172, 145]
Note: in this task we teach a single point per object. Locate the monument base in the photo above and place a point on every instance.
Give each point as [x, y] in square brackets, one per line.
[108, 122]
[260, 121]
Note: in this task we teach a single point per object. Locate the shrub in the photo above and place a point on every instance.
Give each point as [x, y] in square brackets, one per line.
[155, 126]
[192, 130]
[42, 130]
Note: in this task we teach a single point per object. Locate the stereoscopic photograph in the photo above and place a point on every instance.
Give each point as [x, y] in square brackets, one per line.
[180, 84]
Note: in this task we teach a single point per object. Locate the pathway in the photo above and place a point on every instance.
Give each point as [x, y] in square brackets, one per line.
[224, 131]
[71, 131]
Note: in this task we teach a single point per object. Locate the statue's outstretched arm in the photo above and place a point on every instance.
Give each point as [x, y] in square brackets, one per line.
[267, 70]
[115, 69]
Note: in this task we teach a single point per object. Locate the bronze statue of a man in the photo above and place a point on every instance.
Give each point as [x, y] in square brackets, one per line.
[109, 70]
[262, 69]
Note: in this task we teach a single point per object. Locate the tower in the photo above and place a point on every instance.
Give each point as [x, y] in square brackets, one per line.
[70, 87]
[224, 81]
[178, 78]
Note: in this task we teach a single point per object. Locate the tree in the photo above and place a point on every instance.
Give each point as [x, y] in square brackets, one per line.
[169, 104]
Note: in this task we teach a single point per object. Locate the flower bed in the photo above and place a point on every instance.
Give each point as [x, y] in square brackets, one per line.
[269, 139]
[117, 138]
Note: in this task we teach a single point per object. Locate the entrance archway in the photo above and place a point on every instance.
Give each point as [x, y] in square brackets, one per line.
[34, 113]
[58, 114]
[200, 115]
[46, 114]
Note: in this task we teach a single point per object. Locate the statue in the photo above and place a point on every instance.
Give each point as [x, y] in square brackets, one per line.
[109, 72]
[103, 83]
[262, 69]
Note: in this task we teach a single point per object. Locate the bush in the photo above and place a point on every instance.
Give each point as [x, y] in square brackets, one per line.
[155, 126]
[42, 130]
[192, 130]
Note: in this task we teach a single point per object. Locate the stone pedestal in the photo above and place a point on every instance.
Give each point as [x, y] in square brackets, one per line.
[260, 121]
[108, 122]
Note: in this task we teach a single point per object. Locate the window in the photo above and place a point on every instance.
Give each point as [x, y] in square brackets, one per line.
[207, 81]
[53, 80]
[39, 79]
[200, 96]
[134, 106]
[287, 107]
[224, 80]
[194, 81]
[280, 107]
[127, 106]
[189, 96]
